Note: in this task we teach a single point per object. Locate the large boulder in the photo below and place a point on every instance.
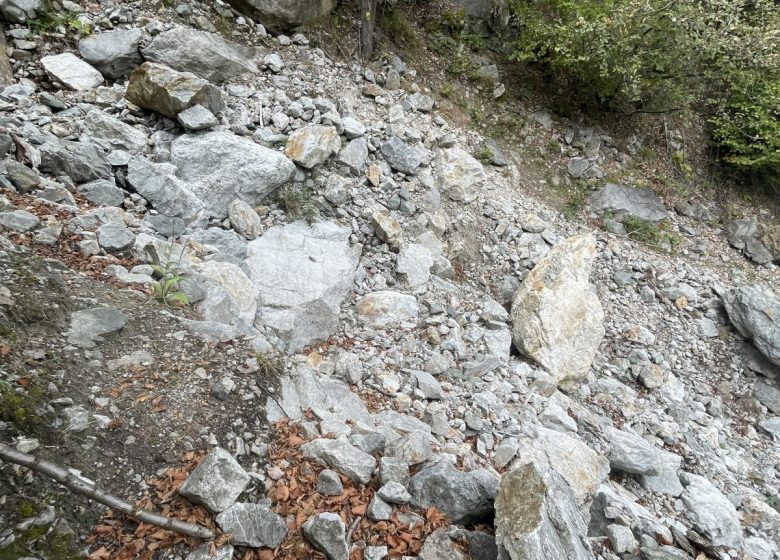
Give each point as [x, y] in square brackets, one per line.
[220, 167]
[80, 161]
[304, 272]
[401, 156]
[115, 53]
[19, 11]
[711, 513]
[72, 72]
[312, 145]
[459, 175]
[755, 313]
[168, 194]
[162, 89]
[112, 134]
[204, 54]
[629, 202]
[283, 15]
[557, 319]
[6, 73]
[217, 482]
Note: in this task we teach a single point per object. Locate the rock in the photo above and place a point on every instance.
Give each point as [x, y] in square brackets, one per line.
[353, 128]
[88, 326]
[168, 194]
[274, 63]
[427, 385]
[225, 241]
[253, 525]
[414, 264]
[379, 510]
[393, 469]
[304, 272]
[341, 456]
[329, 483]
[756, 315]
[206, 55]
[623, 202]
[102, 192]
[387, 228]
[466, 497]
[386, 309]
[459, 175]
[203, 552]
[283, 15]
[76, 418]
[394, 493]
[354, 155]
[18, 11]
[114, 53]
[21, 176]
[312, 145]
[769, 396]
[377, 553]
[413, 447]
[400, 156]
[217, 482]
[556, 315]
[72, 72]
[326, 532]
[439, 546]
[80, 161]
[19, 220]
[112, 134]
[220, 167]
[162, 89]
[114, 237]
[631, 453]
[536, 517]
[622, 539]
[711, 513]
[196, 118]
[244, 219]
[231, 296]
[420, 102]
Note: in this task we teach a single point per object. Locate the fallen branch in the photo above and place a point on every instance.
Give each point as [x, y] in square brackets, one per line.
[79, 486]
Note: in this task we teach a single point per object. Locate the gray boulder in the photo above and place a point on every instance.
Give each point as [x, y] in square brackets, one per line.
[90, 325]
[283, 15]
[168, 194]
[632, 202]
[102, 192]
[18, 11]
[755, 313]
[253, 525]
[401, 156]
[197, 117]
[304, 272]
[80, 161]
[72, 72]
[112, 134]
[711, 513]
[204, 54]
[459, 175]
[162, 89]
[385, 309]
[220, 167]
[225, 241]
[631, 453]
[114, 53]
[439, 546]
[466, 497]
[341, 456]
[326, 532]
[244, 219]
[354, 155]
[19, 220]
[114, 237]
[557, 319]
[769, 396]
[329, 483]
[217, 482]
[21, 176]
[312, 145]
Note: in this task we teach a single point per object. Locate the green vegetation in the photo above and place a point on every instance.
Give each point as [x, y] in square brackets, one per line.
[652, 234]
[53, 546]
[297, 203]
[49, 22]
[395, 25]
[166, 288]
[484, 155]
[19, 407]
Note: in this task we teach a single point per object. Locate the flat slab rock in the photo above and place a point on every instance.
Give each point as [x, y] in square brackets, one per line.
[326, 532]
[624, 202]
[89, 325]
[253, 525]
[72, 72]
[341, 456]
[217, 482]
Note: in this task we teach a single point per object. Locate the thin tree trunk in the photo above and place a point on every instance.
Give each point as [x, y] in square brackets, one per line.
[367, 21]
[78, 486]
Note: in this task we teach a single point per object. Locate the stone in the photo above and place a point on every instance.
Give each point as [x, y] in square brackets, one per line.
[244, 219]
[80, 161]
[536, 517]
[19, 11]
[353, 128]
[387, 228]
[76, 418]
[465, 497]
[394, 493]
[629, 202]
[230, 295]
[631, 453]
[72, 72]
[711, 513]
[203, 552]
[19, 220]
[112, 134]
[413, 447]
[439, 546]
[386, 309]
[341, 456]
[400, 156]
[21, 176]
[114, 237]
[102, 192]
[326, 532]
[375, 553]
[312, 145]
[167, 194]
[427, 385]
[354, 155]
[253, 525]
[114, 53]
[706, 328]
[768, 395]
[303, 272]
[379, 510]
[162, 89]
[557, 319]
[206, 55]
[88, 326]
[329, 483]
[283, 15]
[420, 102]
[217, 482]
[224, 241]
[393, 469]
[459, 175]
[621, 538]
[274, 63]
[197, 118]
[414, 264]
[220, 167]
[755, 313]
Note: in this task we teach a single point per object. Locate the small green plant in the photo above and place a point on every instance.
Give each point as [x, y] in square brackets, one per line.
[681, 164]
[297, 203]
[484, 154]
[574, 204]
[166, 288]
[49, 23]
[474, 41]
[448, 90]
[641, 230]
[19, 407]
[395, 25]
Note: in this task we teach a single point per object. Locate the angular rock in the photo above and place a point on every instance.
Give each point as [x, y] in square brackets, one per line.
[394, 493]
[354, 154]
[21, 176]
[769, 396]
[217, 482]
[387, 228]
[623, 202]
[379, 510]
[304, 272]
[90, 325]
[326, 532]
[253, 525]
[711, 513]
[203, 552]
[102, 192]
[224, 241]
[631, 453]
[112, 134]
[427, 384]
[414, 264]
[220, 167]
[235, 295]
[385, 309]
[466, 497]
[244, 219]
[19, 220]
[72, 72]
[459, 175]
[329, 483]
[312, 145]
[755, 313]
[114, 53]
[341, 456]
[18, 11]
[557, 319]
[196, 118]
[413, 447]
[204, 54]
[80, 161]
[162, 89]
[400, 156]
[167, 194]
[114, 237]
[283, 15]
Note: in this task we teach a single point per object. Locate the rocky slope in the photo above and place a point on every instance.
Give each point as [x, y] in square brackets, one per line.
[449, 340]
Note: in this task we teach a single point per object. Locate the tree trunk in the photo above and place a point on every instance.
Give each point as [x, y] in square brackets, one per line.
[367, 21]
